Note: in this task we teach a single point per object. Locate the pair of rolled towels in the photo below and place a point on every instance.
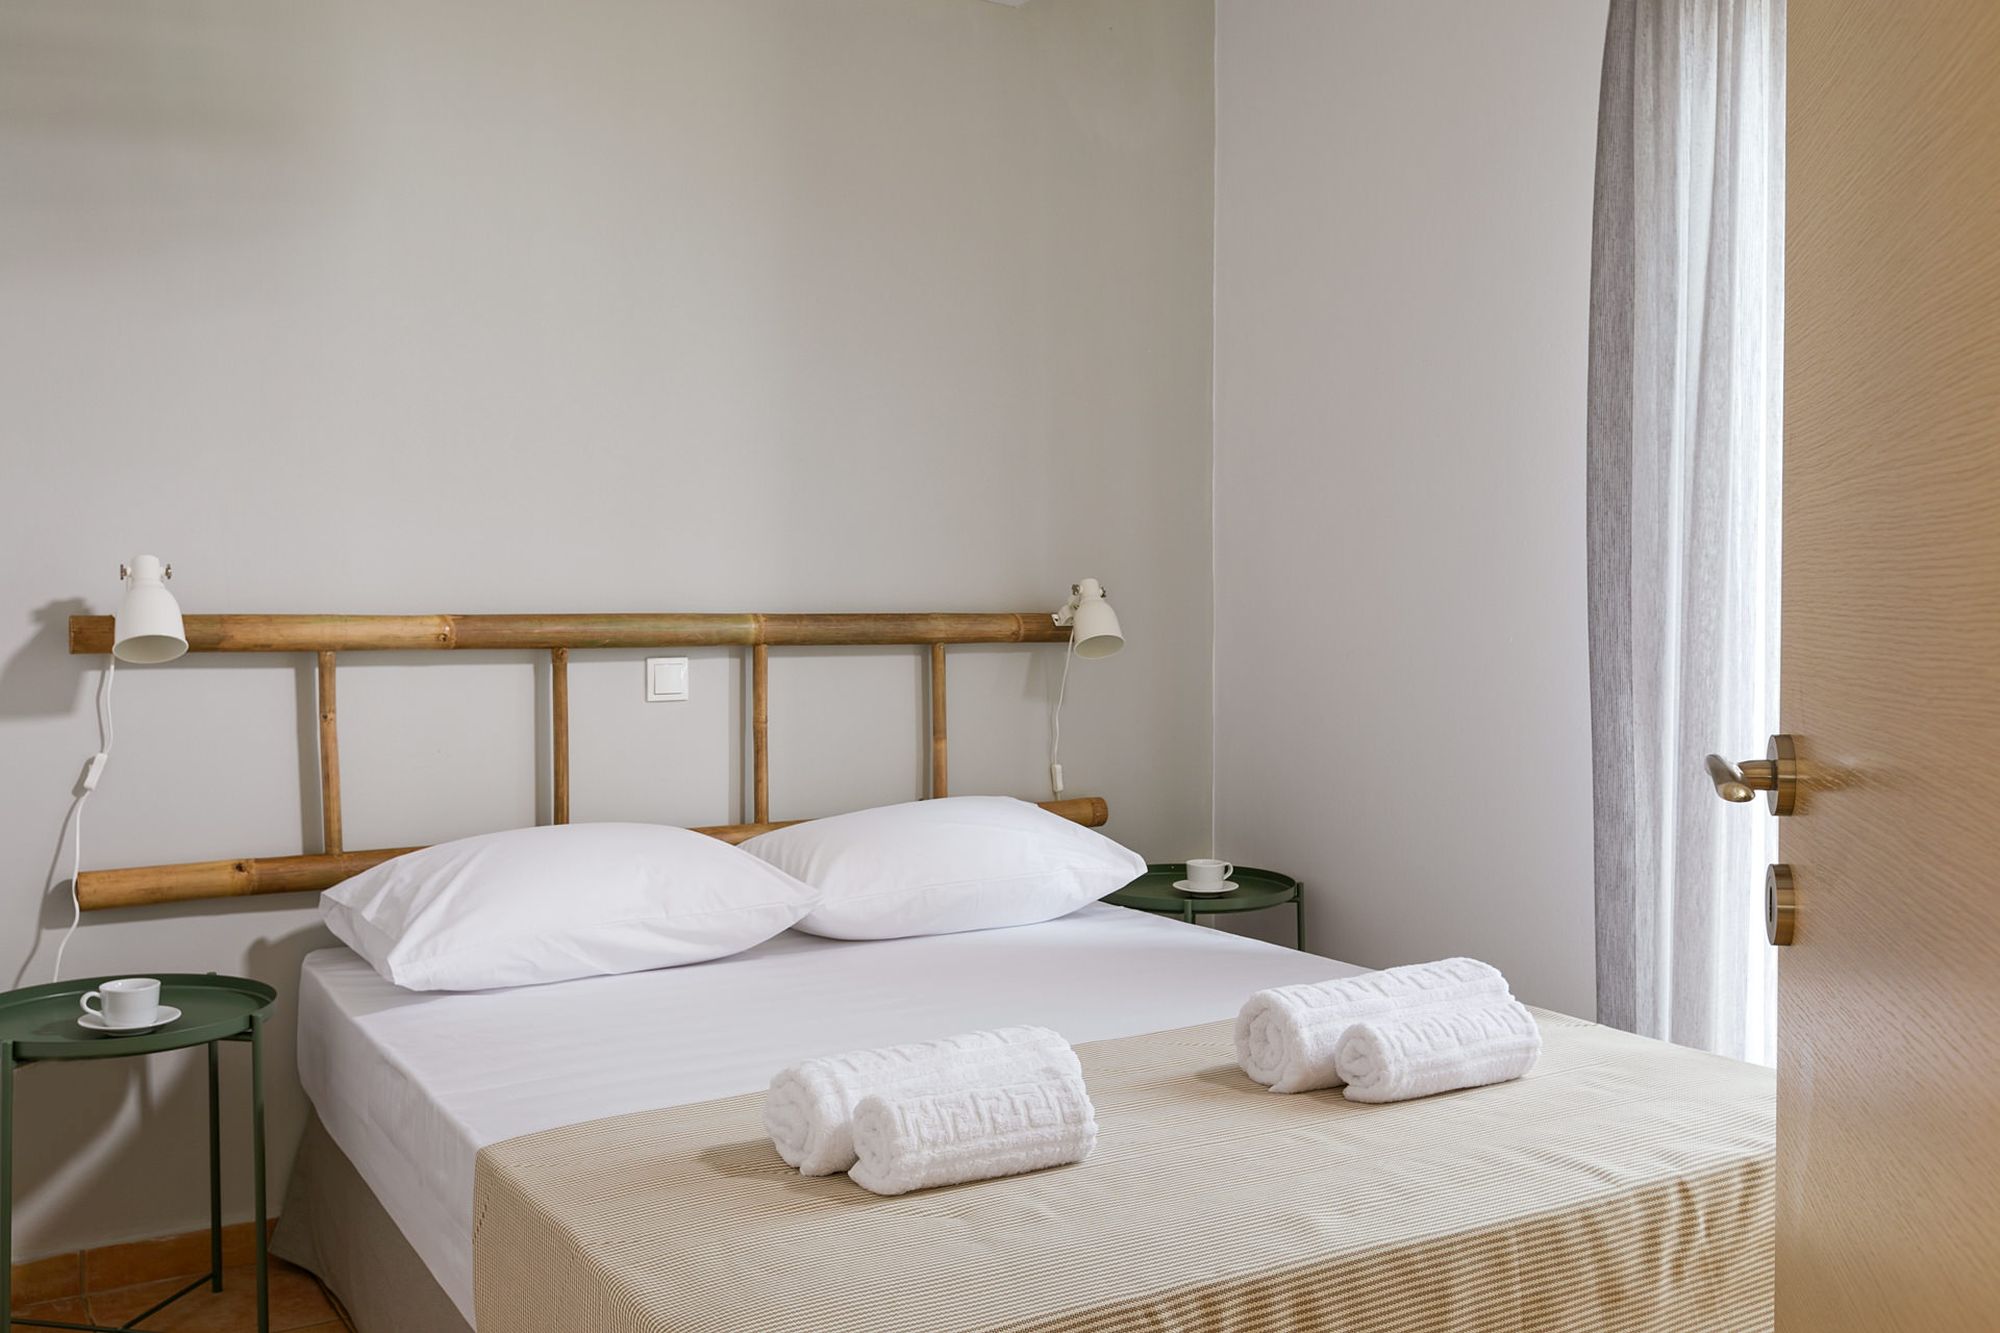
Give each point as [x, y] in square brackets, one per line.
[995, 1102]
[1391, 1035]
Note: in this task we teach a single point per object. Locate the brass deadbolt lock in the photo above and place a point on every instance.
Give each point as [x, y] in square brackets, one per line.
[1781, 905]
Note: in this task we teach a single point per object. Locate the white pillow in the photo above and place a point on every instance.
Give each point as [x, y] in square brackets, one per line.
[568, 900]
[932, 867]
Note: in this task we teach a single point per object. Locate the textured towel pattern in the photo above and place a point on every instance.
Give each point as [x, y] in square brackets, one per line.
[1285, 1037]
[943, 1138]
[1436, 1050]
[810, 1107]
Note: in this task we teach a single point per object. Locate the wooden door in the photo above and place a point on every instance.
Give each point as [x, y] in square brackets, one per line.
[1889, 997]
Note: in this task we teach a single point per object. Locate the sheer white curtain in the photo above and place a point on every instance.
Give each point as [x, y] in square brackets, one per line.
[1685, 398]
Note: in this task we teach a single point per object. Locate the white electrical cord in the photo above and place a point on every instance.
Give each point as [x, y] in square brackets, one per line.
[91, 773]
[1055, 738]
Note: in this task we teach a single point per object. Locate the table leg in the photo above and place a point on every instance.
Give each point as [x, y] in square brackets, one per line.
[214, 1169]
[257, 1170]
[1299, 917]
[6, 1186]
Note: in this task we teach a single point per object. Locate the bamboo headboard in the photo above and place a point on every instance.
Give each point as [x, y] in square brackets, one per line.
[327, 636]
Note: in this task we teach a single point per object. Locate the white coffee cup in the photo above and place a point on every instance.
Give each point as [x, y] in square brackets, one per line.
[128, 1002]
[1208, 873]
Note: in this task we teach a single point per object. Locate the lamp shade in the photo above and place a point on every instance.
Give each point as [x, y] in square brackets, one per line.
[148, 626]
[1095, 631]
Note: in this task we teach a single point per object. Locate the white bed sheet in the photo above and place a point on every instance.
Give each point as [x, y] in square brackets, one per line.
[411, 1086]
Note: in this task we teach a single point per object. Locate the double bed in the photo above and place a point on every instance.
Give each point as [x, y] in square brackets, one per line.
[1623, 1182]
[411, 1086]
[588, 1154]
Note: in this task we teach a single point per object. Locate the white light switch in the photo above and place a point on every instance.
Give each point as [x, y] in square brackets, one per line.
[666, 679]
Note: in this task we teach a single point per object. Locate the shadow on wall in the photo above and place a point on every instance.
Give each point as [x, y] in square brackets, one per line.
[69, 1109]
[57, 908]
[42, 679]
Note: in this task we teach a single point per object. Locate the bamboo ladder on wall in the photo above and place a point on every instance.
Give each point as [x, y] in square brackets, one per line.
[325, 637]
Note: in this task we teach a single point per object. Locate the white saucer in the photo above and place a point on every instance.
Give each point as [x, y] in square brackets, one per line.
[1227, 886]
[95, 1022]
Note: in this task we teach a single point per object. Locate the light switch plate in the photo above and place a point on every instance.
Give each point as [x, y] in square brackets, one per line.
[666, 679]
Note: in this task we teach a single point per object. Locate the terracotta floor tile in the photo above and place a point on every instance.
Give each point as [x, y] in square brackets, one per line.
[69, 1311]
[239, 1245]
[112, 1266]
[48, 1279]
[297, 1303]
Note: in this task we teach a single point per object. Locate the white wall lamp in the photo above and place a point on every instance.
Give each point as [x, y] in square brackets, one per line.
[1093, 625]
[145, 629]
[1093, 632]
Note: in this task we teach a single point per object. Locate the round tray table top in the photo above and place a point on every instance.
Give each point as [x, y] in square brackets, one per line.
[41, 1020]
[1154, 891]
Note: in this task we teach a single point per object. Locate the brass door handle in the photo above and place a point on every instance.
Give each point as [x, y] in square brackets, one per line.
[1777, 776]
[1733, 783]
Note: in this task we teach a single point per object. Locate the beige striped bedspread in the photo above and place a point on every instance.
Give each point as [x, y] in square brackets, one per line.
[1625, 1184]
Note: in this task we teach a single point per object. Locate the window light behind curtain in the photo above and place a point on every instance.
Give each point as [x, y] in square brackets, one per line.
[1685, 411]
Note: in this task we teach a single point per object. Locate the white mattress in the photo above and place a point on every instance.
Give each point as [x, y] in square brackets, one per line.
[411, 1086]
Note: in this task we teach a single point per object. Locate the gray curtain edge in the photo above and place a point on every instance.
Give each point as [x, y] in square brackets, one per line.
[1608, 527]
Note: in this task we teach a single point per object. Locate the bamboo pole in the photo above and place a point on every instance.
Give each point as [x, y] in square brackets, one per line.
[318, 633]
[939, 785]
[329, 757]
[325, 636]
[138, 886]
[760, 732]
[559, 725]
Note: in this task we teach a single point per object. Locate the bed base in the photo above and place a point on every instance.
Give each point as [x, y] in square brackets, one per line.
[334, 1227]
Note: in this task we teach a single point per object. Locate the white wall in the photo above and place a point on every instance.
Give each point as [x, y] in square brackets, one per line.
[454, 305]
[1403, 201]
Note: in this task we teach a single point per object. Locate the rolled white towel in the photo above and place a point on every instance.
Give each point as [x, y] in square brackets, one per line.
[809, 1109]
[1285, 1036]
[913, 1142]
[1435, 1050]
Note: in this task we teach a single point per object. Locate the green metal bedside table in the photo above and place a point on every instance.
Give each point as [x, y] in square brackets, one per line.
[1256, 889]
[38, 1024]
